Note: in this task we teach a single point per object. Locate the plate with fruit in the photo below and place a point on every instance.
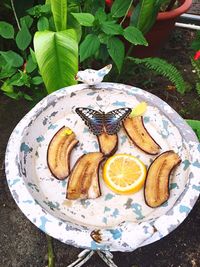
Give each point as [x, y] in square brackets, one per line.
[106, 166]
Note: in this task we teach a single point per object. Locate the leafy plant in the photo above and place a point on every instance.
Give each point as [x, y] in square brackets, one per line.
[104, 32]
[60, 26]
[163, 68]
[102, 37]
[142, 13]
[18, 69]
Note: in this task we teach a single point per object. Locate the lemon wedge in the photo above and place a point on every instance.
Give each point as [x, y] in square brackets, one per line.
[139, 110]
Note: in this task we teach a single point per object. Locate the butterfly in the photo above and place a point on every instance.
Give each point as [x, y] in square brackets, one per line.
[99, 121]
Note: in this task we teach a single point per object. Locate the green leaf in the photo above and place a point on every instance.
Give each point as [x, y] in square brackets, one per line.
[20, 79]
[14, 79]
[73, 24]
[12, 58]
[33, 55]
[93, 5]
[85, 19]
[195, 125]
[7, 71]
[102, 54]
[111, 28]
[27, 97]
[134, 36]
[46, 9]
[196, 66]
[30, 65]
[39, 10]
[57, 57]
[117, 51]
[100, 15]
[198, 88]
[144, 15]
[7, 87]
[13, 95]
[89, 46]
[119, 8]
[103, 38]
[27, 20]
[59, 10]
[37, 80]
[23, 38]
[6, 30]
[43, 24]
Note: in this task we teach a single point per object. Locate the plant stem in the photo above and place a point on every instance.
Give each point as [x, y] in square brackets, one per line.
[126, 12]
[51, 257]
[15, 14]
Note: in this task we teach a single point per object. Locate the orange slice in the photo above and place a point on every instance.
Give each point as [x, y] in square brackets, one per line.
[124, 174]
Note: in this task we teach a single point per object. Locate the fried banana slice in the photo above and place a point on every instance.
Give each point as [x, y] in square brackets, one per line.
[58, 153]
[108, 144]
[139, 135]
[156, 188]
[84, 178]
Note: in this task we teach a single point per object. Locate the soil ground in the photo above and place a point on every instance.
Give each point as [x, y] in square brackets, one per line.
[23, 245]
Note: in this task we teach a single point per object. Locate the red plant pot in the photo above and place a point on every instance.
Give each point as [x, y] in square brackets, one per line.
[161, 30]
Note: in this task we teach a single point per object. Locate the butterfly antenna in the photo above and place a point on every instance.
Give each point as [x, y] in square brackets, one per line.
[100, 109]
[107, 106]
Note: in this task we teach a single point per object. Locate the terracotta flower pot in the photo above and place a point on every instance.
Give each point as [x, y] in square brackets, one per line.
[161, 30]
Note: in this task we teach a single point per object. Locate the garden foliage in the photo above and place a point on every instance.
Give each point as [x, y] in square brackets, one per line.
[53, 36]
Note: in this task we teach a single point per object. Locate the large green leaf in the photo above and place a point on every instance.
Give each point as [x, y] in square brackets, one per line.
[145, 14]
[59, 10]
[23, 37]
[85, 19]
[119, 8]
[134, 36]
[6, 30]
[28, 20]
[12, 58]
[111, 28]
[117, 51]
[89, 46]
[43, 24]
[57, 57]
[30, 65]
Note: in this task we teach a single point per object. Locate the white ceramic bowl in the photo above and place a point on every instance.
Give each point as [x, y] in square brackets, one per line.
[124, 222]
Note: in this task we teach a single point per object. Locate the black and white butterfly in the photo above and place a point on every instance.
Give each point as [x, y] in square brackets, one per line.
[99, 121]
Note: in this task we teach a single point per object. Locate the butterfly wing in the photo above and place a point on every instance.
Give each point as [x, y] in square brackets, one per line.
[92, 118]
[112, 121]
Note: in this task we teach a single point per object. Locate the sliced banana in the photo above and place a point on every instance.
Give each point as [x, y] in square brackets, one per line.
[156, 189]
[84, 178]
[59, 150]
[139, 135]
